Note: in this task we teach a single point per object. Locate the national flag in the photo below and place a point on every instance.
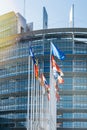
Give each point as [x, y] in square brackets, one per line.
[43, 83]
[36, 68]
[56, 52]
[57, 72]
[56, 67]
[32, 55]
[41, 79]
[30, 52]
[60, 80]
[57, 77]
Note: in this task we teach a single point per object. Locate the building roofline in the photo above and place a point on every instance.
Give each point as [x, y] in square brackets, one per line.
[78, 32]
[61, 30]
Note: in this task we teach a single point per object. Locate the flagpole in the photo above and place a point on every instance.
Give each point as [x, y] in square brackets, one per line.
[52, 97]
[36, 107]
[31, 121]
[50, 93]
[74, 57]
[33, 90]
[57, 76]
[41, 106]
[28, 104]
[41, 102]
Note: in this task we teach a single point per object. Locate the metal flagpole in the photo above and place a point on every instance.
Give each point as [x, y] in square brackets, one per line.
[37, 114]
[42, 97]
[28, 108]
[50, 93]
[39, 103]
[42, 94]
[52, 98]
[35, 103]
[32, 80]
[33, 98]
[41, 107]
[36, 107]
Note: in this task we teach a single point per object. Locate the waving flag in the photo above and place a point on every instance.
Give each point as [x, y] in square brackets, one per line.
[56, 52]
[43, 83]
[36, 71]
[57, 77]
[60, 80]
[41, 79]
[36, 68]
[32, 55]
[56, 67]
[30, 52]
[57, 72]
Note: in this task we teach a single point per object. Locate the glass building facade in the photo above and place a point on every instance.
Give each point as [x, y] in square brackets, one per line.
[14, 52]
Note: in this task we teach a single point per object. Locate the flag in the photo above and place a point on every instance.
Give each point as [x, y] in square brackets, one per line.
[57, 72]
[36, 68]
[30, 52]
[57, 77]
[56, 67]
[32, 55]
[56, 52]
[47, 87]
[60, 80]
[36, 71]
[43, 83]
[41, 80]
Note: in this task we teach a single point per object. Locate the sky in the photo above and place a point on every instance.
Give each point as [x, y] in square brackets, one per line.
[58, 11]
